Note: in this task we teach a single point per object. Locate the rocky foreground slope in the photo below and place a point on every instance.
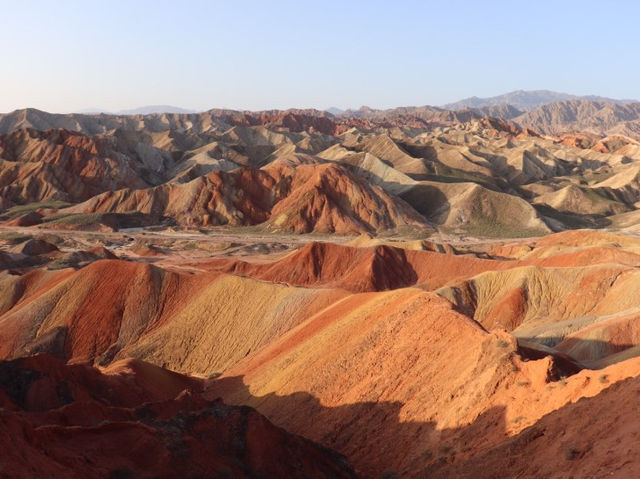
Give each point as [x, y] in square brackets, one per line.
[410, 358]
[136, 420]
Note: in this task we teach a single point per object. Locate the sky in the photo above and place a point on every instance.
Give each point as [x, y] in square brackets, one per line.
[74, 55]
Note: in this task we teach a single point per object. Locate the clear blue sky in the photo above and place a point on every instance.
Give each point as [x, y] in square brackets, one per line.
[71, 55]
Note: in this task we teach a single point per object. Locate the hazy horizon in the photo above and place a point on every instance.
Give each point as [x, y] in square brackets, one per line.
[129, 111]
[71, 57]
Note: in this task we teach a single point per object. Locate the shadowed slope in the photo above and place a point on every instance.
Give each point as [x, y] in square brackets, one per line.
[411, 361]
[63, 421]
[592, 437]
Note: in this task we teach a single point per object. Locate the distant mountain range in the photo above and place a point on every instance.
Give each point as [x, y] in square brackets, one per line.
[143, 110]
[526, 100]
[542, 111]
[335, 111]
[506, 106]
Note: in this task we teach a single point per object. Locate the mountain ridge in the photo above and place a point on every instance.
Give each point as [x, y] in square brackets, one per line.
[594, 115]
[526, 100]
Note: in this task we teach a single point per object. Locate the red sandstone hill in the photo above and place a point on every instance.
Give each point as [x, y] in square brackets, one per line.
[66, 166]
[354, 269]
[304, 198]
[293, 120]
[401, 383]
[138, 420]
[467, 173]
[360, 349]
[153, 313]
[185, 322]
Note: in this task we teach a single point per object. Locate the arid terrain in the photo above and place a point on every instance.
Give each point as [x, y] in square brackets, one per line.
[416, 292]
